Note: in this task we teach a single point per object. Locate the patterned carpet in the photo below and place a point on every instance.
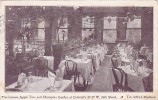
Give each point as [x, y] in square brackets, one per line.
[102, 78]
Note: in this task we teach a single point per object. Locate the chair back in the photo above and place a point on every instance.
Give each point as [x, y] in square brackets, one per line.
[121, 80]
[41, 63]
[71, 68]
[19, 56]
[114, 62]
[118, 75]
[119, 61]
[150, 83]
[125, 82]
[124, 79]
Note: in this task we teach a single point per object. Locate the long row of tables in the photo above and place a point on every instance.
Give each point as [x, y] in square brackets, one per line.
[136, 74]
[84, 66]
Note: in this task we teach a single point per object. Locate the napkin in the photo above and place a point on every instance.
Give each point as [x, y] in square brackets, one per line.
[51, 74]
[51, 77]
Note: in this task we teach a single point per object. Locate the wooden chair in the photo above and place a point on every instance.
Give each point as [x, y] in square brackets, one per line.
[125, 82]
[41, 65]
[121, 81]
[21, 61]
[71, 69]
[149, 87]
[118, 86]
[119, 61]
[80, 83]
[114, 62]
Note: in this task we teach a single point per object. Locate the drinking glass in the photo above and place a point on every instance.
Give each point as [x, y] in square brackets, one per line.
[30, 78]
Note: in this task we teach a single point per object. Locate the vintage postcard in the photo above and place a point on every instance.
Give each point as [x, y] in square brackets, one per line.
[78, 50]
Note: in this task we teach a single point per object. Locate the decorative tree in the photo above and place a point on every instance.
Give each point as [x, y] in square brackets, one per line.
[17, 18]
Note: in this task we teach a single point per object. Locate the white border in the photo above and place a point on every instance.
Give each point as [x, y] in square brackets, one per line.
[81, 3]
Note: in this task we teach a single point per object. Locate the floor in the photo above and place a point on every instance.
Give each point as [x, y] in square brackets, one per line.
[102, 77]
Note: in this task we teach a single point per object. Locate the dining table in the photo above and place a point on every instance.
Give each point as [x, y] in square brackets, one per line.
[42, 84]
[88, 61]
[97, 54]
[136, 72]
[95, 60]
[135, 78]
[84, 66]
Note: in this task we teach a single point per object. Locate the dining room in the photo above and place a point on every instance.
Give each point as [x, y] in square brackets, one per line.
[78, 49]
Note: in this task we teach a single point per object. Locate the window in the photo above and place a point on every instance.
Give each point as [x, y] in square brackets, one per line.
[87, 28]
[62, 31]
[133, 32]
[41, 31]
[109, 31]
[23, 39]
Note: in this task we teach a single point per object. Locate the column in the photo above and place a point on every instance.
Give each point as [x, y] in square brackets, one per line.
[48, 38]
[121, 29]
[98, 25]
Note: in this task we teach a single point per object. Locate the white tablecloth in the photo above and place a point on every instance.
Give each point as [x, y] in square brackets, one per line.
[99, 55]
[135, 79]
[42, 83]
[85, 67]
[96, 60]
[143, 71]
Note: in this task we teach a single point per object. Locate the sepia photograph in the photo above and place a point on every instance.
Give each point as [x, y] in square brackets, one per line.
[78, 49]
[82, 50]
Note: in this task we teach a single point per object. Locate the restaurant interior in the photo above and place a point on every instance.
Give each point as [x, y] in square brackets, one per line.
[78, 48]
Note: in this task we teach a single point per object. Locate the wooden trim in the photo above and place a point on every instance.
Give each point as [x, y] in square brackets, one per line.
[88, 28]
[133, 28]
[110, 29]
